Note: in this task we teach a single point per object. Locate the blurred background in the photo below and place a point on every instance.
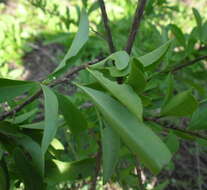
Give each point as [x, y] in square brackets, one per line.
[35, 34]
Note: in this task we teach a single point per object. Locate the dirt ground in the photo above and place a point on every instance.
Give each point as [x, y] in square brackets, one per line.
[40, 61]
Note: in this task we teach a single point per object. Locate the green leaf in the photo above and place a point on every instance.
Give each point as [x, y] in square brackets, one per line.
[182, 104]
[118, 67]
[136, 77]
[114, 72]
[4, 180]
[40, 125]
[124, 93]
[120, 58]
[110, 149]
[26, 171]
[136, 135]
[37, 125]
[170, 85]
[197, 17]
[7, 129]
[199, 119]
[21, 118]
[57, 145]
[172, 142]
[72, 115]
[35, 152]
[192, 39]
[199, 23]
[93, 7]
[51, 117]
[203, 33]
[178, 34]
[155, 55]
[69, 171]
[29, 145]
[80, 39]
[9, 89]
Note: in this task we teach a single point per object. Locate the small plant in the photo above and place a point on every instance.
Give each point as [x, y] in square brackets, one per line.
[131, 121]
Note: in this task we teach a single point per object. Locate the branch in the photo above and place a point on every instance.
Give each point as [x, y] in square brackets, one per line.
[106, 25]
[191, 133]
[172, 127]
[74, 71]
[55, 83]
[179, 67]
[20, 106]
[136, 25]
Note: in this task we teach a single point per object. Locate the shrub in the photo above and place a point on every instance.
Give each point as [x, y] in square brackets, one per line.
[129, 122]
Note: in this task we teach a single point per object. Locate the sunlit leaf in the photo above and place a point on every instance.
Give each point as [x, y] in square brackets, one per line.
[57, 144]
[69, 171]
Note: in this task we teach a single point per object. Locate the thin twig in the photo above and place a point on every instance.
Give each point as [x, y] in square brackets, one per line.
[106, 25]
[20, 106]
[198, 166]
[99, 34]
[191, 133]
[179, 67]
[97, 169]
[172, 127]
[55, 83]
[136, 25]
